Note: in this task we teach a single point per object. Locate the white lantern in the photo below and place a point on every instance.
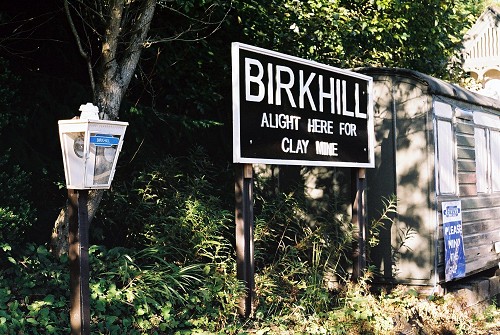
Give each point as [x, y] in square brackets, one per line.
[90, 149]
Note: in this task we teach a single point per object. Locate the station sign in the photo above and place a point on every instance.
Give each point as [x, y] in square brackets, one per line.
[100, 140]
[293, 111]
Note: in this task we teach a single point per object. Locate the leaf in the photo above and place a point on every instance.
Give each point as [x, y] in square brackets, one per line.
[5, 247]
[32, 321]
[49, 299]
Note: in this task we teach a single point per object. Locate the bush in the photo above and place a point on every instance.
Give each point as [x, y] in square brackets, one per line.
[34, 295]
[16, 212]
[299, 252]
[131, 293]
[174, 213]
[176, 205]
[175, 272]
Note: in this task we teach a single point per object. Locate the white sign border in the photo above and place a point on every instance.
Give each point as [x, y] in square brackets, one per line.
[235, 55]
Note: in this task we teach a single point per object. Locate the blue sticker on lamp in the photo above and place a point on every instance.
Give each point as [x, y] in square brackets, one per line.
[454, 254]
[103, 140]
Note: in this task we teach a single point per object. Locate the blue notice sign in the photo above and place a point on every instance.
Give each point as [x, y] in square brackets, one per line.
[103, 140]
[453, 240]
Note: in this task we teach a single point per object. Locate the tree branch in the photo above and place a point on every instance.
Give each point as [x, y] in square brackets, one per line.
[137, 40]
[83, 53]
[111, 35]
[197, 27]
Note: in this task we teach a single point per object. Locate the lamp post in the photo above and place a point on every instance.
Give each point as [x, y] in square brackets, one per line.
[90, 149]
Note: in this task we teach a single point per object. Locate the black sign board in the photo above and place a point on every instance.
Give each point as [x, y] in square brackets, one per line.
[292, 111]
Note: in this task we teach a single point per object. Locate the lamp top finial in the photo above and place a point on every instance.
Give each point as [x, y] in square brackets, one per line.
[89, 112]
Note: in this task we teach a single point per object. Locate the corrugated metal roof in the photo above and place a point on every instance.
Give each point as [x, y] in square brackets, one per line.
[435, 86]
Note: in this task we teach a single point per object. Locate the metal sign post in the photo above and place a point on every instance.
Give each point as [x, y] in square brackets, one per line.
[358, 187]
[79, 262]
[243, 187]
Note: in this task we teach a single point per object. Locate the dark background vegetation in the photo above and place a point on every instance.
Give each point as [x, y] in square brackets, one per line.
[181, 94]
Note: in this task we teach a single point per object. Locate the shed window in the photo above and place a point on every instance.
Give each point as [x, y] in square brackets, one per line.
[445, 151]
[487, 142]
[481, 149]
[495, 160]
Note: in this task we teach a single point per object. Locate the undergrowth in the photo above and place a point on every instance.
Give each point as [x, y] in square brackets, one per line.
[162, 298]
[166, 265]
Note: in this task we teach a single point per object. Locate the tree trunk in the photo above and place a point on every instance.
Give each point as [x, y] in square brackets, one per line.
[59, 243]
[128, 24]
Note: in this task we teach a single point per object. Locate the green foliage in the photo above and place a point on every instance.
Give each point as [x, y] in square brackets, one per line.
[143, 292]
[34, 299]
[178, 274]
[401, 310]
[361, 311]
[174, 205]
[34, 293]
[420, 35]
[299, 252]
[16, 211]
[385, 218]
[180, 279]
[131, 293]
[174, 213]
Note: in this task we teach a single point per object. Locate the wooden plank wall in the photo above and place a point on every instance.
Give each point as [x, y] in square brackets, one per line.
[480, 212]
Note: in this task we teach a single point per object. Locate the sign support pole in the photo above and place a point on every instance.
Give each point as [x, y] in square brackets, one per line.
[79, 262]
[243, 188]
[358, 188]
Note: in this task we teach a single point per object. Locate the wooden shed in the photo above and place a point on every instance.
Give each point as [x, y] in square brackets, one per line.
[435, 142]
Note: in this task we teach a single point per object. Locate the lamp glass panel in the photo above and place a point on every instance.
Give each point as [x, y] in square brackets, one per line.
[103, 148]
[73, 150]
